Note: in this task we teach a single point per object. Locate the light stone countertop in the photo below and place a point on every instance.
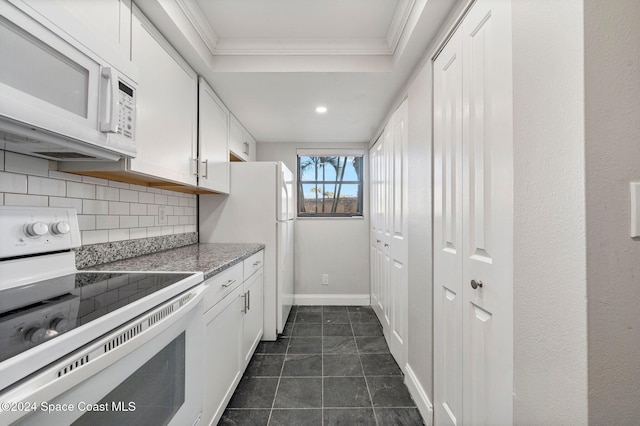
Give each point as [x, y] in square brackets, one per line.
[209, 259]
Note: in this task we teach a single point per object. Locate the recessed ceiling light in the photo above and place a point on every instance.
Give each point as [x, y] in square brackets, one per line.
[321, 109]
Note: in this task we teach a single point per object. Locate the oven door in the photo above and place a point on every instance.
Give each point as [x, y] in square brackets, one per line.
[146, 372]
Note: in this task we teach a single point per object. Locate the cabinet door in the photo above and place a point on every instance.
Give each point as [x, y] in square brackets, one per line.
[253, 293]
[166, 107]
[213, 141]
[250, 147]
[236, 139]
[223, 354]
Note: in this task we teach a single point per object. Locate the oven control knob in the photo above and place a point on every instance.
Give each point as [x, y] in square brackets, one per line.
[36, 229]
[60, 228]
[59, 325]
[35, 335]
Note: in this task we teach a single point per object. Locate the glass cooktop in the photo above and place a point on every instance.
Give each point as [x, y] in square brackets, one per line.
[38, 312]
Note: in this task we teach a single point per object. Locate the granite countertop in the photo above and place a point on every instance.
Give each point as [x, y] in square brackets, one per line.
[209, 259]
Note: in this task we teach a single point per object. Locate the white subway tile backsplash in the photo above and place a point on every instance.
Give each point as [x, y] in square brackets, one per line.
[154, 231]
[146, 220]
[129, 222]
[138, 209]
[136, 233]
[121, 185]
[118, 235]
[107, 222]
[146, 197]
[116, 207]
[160, 199]
[94, 237]
[86, 222]
[54, 174]
[76, 203]
[26, 200]
[95, 207]
[81, 190]
[95, 180]
[129, 196]
[13, 182]
[107, 210]
[26, 165]
[44, 186]
[107, 193]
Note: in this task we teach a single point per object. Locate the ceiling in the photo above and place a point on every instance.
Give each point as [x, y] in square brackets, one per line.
[272, 62]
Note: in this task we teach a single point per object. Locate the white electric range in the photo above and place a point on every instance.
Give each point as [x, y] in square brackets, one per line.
[83, 347]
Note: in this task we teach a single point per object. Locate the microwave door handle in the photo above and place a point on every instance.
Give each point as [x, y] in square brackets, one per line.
[108, 86]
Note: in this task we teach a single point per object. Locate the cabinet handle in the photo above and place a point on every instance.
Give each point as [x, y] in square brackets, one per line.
[206, 169]
[196, 174]
[246, 148]
[244, 307]
[256, 263]
[228, 283]
[249, 300]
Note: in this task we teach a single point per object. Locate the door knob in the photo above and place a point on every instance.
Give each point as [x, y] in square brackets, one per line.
[475, 284]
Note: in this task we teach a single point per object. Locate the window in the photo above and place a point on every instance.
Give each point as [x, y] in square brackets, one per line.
[330, 185]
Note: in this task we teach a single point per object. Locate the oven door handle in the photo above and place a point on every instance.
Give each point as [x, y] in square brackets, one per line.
[89, 360]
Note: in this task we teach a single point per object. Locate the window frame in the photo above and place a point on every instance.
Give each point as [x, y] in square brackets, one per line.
[359, 182]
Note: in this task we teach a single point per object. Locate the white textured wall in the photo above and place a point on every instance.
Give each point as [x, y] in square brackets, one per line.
[550, 335]
[338, 247]
[612, 81]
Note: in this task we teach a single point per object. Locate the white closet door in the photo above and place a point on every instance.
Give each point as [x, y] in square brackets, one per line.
[375, 263]
[487, 215]
[387, 224]
[398, 242]
[447, 233]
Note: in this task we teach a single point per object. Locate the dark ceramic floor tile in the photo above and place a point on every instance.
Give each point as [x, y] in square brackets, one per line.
[337, 330]
[341, 365]
[372, 345]
[339, 345]
[299, 393]
[254, 392]
[240, 417]
[360, 309]
[336, 318]
[380, 365]
[367, 329]
[314, 308]
[349, 417]
[308, 317]
[305, 345]
[288, 328]
[345, 392]
[289, 417]
[338, 309]
[265, 366]
[363, 317]
[307, 330]
[302, 365]
[398, 416]
[389, 392]
[277, 347]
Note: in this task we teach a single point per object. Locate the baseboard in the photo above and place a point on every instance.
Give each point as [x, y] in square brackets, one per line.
[419, 395]
[332, 299]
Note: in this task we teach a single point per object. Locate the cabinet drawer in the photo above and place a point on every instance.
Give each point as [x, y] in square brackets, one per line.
[222, 284]
[253, 263]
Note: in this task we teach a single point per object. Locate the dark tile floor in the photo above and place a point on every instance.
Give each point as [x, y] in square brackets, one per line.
[331, 366]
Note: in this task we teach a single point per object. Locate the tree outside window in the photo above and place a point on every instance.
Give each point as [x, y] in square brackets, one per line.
[329, 186]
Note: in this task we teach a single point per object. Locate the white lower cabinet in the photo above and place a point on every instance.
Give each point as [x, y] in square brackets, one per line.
[233, 329]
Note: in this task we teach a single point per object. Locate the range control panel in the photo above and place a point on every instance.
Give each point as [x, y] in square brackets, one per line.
[31, 230]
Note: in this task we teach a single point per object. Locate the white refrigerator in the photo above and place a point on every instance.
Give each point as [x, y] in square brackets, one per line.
[260, 208]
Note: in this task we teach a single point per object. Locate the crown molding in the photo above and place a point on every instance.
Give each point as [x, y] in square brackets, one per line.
[302, 47]
[196, 18]
[399, 23]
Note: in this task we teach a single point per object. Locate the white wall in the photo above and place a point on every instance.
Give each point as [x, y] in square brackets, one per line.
[550, 352]
[612, 81]
[335, 246]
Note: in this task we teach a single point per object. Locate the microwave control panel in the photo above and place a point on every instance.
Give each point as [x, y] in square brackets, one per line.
[127, 114]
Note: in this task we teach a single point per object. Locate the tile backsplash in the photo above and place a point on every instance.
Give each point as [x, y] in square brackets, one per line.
[108, 211]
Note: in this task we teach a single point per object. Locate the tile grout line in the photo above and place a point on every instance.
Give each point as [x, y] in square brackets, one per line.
[322, 365]
[275, 395]
[366, 382]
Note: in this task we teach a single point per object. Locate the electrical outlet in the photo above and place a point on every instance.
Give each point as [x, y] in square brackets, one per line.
[162, 215]
[325, 279]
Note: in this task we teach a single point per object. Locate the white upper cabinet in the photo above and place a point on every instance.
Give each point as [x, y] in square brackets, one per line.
[166, 132]
[213, 141]
[242, 146]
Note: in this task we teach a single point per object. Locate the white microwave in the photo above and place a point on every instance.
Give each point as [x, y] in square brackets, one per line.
[58, 99]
